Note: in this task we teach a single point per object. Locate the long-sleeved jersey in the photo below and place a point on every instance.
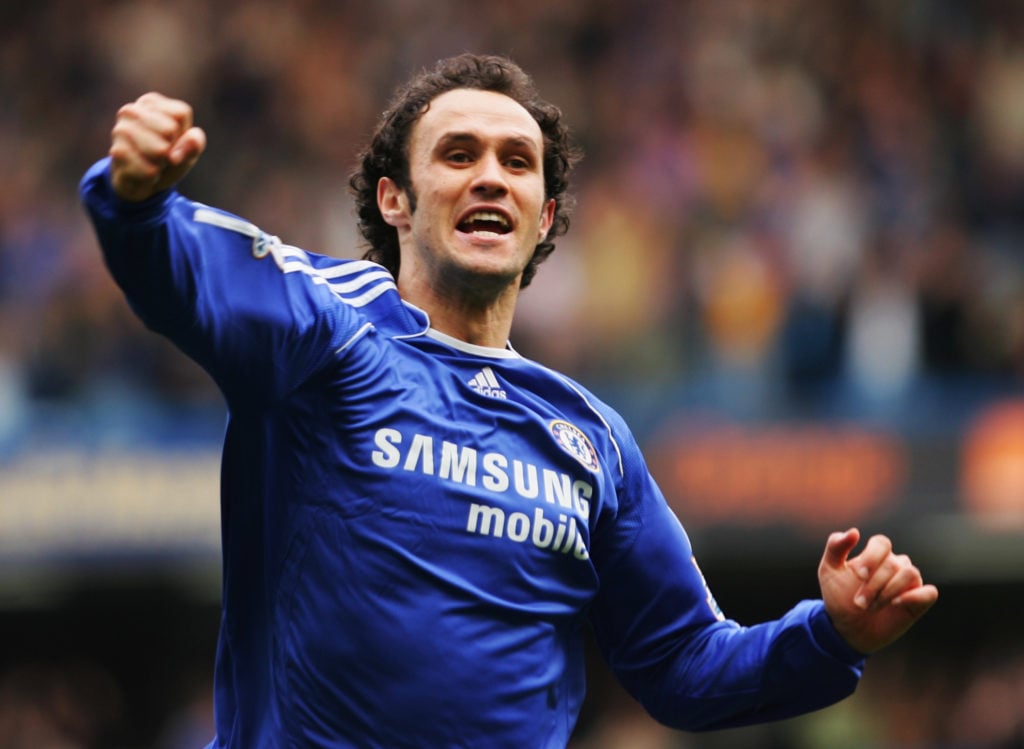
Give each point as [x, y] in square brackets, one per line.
[416, 531]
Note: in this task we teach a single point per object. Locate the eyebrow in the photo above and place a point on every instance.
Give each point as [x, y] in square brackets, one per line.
[460, 137]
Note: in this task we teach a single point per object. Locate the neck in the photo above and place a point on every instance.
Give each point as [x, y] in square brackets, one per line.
[483, 320]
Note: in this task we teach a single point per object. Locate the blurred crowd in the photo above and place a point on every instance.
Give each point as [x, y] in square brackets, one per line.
[800, 207]
[903, 703]
[809, 205]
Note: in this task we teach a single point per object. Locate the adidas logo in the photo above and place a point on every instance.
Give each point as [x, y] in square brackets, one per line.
[485, 383]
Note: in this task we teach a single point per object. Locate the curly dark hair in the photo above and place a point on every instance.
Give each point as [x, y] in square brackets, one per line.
[387, 154]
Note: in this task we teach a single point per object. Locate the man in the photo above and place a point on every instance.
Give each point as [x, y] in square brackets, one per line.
[417, 522]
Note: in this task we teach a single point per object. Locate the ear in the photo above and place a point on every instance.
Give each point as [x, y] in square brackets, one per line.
[547, 218]
[392, 202]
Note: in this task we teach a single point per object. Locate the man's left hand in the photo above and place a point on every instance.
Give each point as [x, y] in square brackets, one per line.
[874, 597]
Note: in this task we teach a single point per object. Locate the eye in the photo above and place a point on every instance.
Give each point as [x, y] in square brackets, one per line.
[518, 162]
[459, 157]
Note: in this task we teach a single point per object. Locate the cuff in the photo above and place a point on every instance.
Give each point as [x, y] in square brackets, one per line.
[829, 639]
[98, 195]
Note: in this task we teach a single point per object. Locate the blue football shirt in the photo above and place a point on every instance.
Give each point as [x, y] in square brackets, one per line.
[416, 531]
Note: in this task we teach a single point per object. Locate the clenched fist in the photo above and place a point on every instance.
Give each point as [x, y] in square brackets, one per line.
[153, 145]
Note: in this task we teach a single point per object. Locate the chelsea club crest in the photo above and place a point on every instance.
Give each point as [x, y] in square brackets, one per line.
[575, 442]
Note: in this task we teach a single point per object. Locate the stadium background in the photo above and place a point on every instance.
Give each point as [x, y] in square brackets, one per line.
[796, 267]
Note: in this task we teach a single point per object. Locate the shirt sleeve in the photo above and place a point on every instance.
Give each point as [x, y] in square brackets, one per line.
[214, 290]
[663, 635]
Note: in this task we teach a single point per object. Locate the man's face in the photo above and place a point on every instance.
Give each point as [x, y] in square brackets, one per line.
[476, 168]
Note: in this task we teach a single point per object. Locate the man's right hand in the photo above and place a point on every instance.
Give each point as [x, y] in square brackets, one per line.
[153, 146]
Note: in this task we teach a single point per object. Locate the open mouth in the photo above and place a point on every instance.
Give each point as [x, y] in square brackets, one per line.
[485, 222]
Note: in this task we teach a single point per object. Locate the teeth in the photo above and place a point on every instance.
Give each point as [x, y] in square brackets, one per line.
[488, 216]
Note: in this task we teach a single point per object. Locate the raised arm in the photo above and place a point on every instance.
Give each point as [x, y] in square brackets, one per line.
[153, 146]
[205, 278]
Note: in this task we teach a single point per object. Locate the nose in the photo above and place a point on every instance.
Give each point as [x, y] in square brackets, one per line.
[490, 176]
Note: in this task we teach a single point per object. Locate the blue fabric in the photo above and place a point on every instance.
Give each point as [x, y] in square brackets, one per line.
[415, 530]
